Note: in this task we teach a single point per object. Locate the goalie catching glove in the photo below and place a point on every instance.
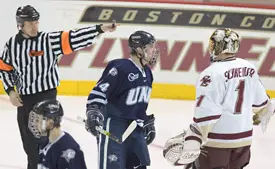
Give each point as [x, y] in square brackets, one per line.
[94, 120]
[184, 148]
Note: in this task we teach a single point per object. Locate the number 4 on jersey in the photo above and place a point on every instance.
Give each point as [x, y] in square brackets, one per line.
[103, 87]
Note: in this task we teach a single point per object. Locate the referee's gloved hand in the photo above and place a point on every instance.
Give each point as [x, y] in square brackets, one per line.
[94, 120]
[15, 99]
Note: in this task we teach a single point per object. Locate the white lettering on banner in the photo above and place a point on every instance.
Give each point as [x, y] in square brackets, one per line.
[140, 94]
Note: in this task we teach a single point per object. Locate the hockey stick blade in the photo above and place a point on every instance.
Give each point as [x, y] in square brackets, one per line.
[129, 130]
[104, 132]
[125, 135]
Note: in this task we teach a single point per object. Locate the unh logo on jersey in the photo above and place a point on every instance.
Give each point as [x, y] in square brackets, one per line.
[140, 94]
[68, 154]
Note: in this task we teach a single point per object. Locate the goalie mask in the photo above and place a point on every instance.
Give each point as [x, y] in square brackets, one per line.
[223, 41]
[144, 44]
[45, 116]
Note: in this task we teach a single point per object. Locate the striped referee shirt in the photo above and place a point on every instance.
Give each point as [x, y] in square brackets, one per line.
[30, 65]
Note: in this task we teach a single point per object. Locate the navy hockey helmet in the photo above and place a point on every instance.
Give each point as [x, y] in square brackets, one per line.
[26, 13]
[140, 39]
[41, 112]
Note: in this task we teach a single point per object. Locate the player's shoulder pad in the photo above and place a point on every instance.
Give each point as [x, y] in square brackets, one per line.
[119, 65]
[246, 63]
[115, 62]
[215, 70]
[121, 61]
[210, 70]
[70, 142]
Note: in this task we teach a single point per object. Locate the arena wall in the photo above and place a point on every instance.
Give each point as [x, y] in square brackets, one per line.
[182, 31]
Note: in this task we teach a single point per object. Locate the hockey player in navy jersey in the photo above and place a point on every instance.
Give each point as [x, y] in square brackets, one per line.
[121, 96]
[62, 151]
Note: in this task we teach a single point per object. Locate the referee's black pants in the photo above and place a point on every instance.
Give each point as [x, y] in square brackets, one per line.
[30, 144]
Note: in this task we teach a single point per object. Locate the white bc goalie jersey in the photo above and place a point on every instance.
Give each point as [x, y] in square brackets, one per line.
[226, 93]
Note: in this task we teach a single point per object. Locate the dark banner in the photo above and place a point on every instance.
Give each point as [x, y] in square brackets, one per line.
[180, 17]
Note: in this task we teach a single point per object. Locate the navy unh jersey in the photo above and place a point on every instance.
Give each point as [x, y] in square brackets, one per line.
[64, 153]
[124, 90]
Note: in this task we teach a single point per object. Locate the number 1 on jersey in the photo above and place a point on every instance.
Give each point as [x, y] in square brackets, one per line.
[239, 102]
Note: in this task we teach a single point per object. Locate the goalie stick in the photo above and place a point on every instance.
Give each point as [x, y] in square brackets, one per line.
[126, 133]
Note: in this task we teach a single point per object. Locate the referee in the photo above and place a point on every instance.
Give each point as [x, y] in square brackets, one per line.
[28, 67]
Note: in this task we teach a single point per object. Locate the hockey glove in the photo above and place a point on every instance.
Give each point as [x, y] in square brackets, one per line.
[94, 120]
[149, 129]
[256, 119]
[192, 145]
[184, 148]
[263, 116]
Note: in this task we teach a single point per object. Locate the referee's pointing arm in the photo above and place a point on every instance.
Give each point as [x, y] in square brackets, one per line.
[28, 61]
[29, 64]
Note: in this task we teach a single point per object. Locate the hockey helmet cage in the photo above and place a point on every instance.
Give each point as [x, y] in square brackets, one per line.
[47, 109]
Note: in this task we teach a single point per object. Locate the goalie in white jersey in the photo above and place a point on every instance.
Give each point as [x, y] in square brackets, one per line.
[228, 94]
